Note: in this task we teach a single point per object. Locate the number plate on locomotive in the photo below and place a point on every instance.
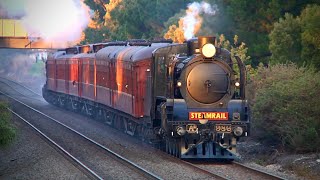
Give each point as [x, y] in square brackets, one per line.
[223, 128]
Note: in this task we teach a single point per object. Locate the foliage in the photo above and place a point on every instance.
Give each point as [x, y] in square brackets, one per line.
[286, 109]
[98, 7]
[251, 21]
[236, 49]
[143, 18]
[7, 132]
[285, 40]
[297, 39]
[310, 37]
[94, 35]
[175, 34]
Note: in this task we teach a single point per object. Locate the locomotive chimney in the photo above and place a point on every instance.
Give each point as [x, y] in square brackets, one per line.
[195, 44]
[202, 40]
[192, 46]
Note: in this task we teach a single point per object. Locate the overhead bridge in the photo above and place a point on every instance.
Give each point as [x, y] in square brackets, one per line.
[14, 35]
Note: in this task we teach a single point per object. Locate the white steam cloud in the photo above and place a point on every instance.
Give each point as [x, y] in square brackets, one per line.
[60, 21]
[192, 21]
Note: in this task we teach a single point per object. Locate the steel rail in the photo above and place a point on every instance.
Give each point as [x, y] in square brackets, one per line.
[21, 85]
[204, 170]
[65, 152]
[272, 176]
[146, 173]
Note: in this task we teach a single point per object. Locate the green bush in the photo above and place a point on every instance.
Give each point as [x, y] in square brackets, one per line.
[7, 132]
[286, 107]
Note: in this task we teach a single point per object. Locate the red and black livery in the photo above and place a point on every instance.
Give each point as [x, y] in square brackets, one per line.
[188, 98]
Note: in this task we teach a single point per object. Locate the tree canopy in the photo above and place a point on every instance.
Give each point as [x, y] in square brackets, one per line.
[297, 39]
[256, 23]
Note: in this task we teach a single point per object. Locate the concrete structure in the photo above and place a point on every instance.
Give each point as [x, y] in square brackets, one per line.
[14, 35]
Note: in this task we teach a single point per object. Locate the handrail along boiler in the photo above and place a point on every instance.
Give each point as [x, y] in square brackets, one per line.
[188, 98]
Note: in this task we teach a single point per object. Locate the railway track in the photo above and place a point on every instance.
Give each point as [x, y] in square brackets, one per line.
[81, 165]
[229, 170]
[211, 170]
[66, 154]
[76, 146]
[235, 170]
[257, 171]
[5, 80]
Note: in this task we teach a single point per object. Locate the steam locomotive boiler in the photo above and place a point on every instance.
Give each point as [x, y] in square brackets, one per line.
[189, 98]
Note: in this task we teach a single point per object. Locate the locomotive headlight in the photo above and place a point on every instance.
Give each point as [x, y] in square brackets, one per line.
[208, 50]
[179, 84]
[238, 131]
[203, 121]
[237, 84]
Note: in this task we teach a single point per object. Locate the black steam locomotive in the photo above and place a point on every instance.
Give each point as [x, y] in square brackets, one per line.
[187, 98]
[200, 99]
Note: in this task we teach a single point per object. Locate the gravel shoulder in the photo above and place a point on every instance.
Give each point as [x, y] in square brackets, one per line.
[30, 157]
[296, 166]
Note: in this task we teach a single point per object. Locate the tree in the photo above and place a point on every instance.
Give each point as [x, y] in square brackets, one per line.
[310, 36]
[297, 39]
[252, 21]
[98, 7]
[143, 18]
[285, 40]
[95, 35]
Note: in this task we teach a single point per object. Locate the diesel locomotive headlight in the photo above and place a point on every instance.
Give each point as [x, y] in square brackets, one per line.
[179, 84]
[237, 84]
[208, 50]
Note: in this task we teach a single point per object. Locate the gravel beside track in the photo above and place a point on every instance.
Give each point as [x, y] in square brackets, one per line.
[228, 170]
[30, 157]
[91, 155]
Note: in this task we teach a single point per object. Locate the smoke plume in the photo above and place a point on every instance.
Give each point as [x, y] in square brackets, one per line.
[191, 23]
[60, 21]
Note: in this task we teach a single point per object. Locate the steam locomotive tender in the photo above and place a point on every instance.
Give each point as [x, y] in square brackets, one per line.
[187, 98]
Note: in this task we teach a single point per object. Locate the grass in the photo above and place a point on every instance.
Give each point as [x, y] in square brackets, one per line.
[7, 131]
